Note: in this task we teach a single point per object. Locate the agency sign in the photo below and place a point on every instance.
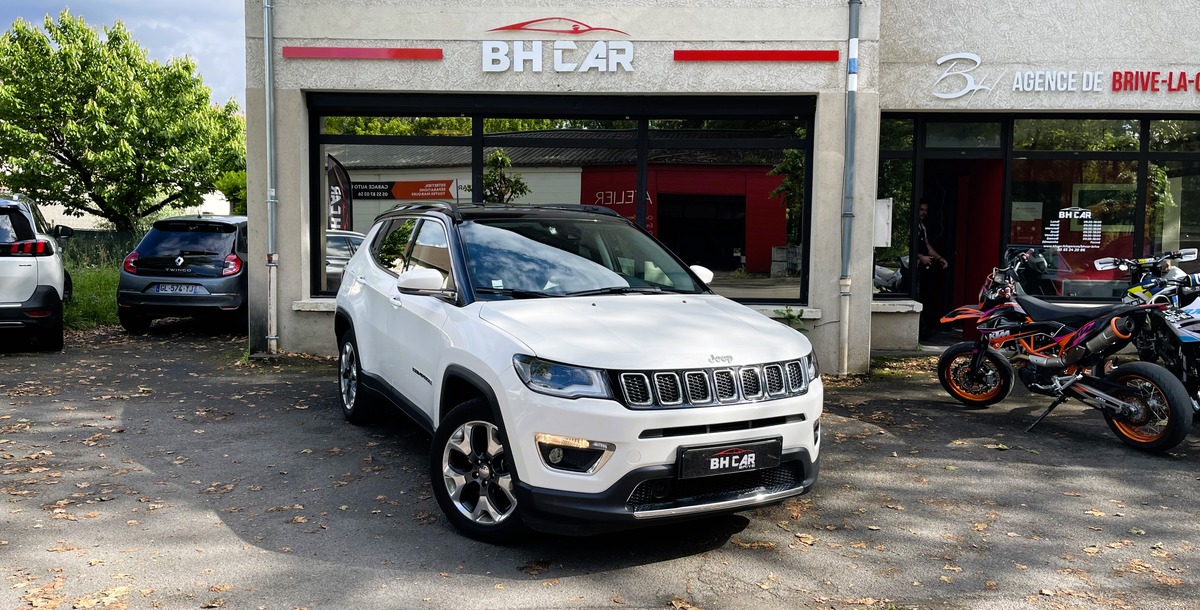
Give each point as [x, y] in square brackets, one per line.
[965, 75]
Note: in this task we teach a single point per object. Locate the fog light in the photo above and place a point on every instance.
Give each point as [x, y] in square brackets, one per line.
[572, 454]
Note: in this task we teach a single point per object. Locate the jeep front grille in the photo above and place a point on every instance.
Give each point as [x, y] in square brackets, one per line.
[702, 387]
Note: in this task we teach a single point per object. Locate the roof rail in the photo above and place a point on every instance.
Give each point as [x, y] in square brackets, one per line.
[586, 207]
[449, 206]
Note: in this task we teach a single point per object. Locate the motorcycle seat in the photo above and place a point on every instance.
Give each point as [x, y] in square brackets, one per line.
[1071, 315]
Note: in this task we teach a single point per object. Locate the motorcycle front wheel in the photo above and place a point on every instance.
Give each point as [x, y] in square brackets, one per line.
[1163, 409]
[988, 385]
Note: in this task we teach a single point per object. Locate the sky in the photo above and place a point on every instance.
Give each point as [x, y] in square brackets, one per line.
[212, 32]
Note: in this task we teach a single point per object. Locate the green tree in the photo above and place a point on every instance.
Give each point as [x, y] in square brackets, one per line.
[88, 122]
[233, 186]
[499, 185]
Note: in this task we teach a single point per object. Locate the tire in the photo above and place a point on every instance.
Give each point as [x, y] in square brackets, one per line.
[133, 323]
[359, 405]
[1164, 417]
[954, 371]
[473, 476]
[51, 339]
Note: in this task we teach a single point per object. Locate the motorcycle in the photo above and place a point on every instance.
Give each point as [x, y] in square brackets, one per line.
[1065, 352]
[1173, 338]
[1154, 279]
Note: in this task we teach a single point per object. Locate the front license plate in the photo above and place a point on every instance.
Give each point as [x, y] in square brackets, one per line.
[176, 288]
[698, 462]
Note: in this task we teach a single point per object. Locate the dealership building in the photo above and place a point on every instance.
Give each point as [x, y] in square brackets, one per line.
[788, 146]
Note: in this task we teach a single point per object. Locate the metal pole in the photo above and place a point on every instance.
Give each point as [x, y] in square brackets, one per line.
[272, 202]
[848, 189]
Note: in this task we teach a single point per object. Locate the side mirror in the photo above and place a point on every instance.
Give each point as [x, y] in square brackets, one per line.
[1106, 264]
[420, 280]
[704, 273]
[65, 231]
[1188, 254]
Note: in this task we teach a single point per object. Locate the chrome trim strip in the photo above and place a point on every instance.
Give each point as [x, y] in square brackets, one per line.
[728, 504]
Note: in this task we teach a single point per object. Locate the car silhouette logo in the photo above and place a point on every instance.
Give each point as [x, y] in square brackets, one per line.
[555, 25]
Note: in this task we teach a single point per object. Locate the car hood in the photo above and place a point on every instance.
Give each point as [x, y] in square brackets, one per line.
[637, 331]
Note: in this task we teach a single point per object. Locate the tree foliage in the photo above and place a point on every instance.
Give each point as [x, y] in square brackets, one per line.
[233, 186]
[88, 122]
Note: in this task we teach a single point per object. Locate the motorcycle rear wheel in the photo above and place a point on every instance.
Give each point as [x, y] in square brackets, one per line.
[988, 386]
[1164, 416]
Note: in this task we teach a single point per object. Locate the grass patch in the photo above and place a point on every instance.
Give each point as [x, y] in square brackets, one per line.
[93, 258]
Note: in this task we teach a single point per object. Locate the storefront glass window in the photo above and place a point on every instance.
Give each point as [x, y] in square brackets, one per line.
[396, 126]
[729, 128]
[621, 129]
[1175, 136]
[1069, 213]
[896, 134]
[1076, 134]
[962, 135]
[892, 277]
[383, 175]
[1173, 208]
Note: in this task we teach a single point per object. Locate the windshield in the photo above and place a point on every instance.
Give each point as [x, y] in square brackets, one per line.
[527, 257]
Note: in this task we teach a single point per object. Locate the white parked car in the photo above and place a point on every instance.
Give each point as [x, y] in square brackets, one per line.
[33, 282]
[574, 374]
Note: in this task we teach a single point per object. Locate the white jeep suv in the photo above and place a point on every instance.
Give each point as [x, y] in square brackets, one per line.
[33, 282]
[575, 376]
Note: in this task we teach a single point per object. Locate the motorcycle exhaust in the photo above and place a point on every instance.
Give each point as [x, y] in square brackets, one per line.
[1119, 329]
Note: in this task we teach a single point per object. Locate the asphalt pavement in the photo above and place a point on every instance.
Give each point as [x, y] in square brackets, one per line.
[171, 471]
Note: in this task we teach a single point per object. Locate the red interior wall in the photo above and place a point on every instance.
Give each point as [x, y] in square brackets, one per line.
[978, 232]
[615, 187]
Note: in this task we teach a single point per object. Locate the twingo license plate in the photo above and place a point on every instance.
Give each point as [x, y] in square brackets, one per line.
[695, 462]
[176, 288]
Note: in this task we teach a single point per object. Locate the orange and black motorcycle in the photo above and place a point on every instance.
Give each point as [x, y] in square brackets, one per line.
[1065, 352]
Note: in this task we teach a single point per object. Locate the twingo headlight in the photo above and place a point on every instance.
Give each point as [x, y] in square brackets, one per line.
[562, 380]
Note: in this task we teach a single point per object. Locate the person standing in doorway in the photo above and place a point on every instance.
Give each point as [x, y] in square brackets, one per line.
[931, 267]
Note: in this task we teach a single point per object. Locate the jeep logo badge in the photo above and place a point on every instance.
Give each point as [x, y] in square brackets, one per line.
[715, 359]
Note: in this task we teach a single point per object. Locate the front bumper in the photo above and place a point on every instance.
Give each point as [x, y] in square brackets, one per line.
[31, 315]
[654, 495]
[637, 481]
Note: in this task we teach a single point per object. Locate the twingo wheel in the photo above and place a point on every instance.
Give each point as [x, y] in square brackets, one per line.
[1163, 414]
[473, 476]
[987, 386]
[359, 404]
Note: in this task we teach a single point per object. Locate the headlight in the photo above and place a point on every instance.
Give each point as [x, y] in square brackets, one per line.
[809, 363]
[562, 380]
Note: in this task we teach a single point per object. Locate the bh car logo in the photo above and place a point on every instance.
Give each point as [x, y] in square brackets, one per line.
[742, 459]
[1074, 212]
[564, 55]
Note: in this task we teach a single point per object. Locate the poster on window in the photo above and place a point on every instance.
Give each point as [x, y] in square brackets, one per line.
[340, 198]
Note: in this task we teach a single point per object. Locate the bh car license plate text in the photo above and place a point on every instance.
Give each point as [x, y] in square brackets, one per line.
[697, 462]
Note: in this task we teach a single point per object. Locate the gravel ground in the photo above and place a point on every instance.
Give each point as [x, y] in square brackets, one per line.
[169, 471]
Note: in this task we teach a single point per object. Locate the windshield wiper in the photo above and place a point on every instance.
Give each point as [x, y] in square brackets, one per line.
[515, 293]
[196, 252]
[615, 290]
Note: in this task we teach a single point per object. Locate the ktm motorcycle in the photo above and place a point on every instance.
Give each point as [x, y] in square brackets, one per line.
[1065, 352]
